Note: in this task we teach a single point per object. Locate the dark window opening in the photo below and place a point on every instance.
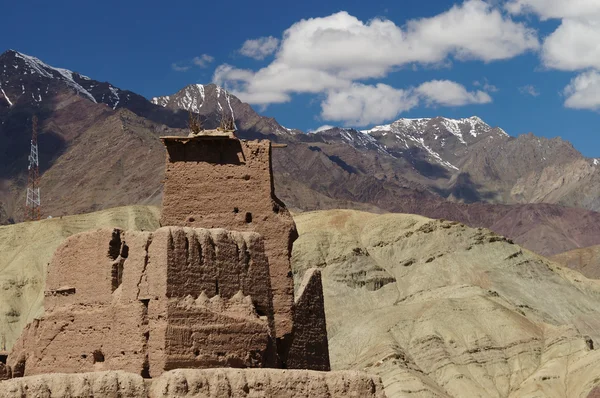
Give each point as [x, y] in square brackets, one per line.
[124, 251]
[114, 246]
[146, 369]
[236, 210]
[98, 356]
[19, 369]
[260, 311]
[248, 218]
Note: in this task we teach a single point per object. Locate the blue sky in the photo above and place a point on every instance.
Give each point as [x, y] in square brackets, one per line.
[523, 65]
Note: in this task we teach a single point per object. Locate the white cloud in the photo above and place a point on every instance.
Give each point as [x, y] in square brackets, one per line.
[322, 128]
[203, 60]
[275, 83]
[342, 44]
[485, 84]
[584, 91]
[330, 54]
[360, 104]
[573, 46]
[548, 9]
[529, 89]
[179, 68]
[260, 48]
[448, 93]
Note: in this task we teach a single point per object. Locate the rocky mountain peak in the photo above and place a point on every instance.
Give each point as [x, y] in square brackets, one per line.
[27, 78]
[214, 102]
[199, 97]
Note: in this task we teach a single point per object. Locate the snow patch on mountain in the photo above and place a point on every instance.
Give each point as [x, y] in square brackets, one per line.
[422, 132]
[161, 101]
[200, 88]
[6, 96]
[35, 65]
[434, 154]
[115, 93]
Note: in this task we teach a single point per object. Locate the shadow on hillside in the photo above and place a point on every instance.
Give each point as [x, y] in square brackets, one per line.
[465, 190]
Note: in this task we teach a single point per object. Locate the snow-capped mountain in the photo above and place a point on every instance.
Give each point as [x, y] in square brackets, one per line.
[395, 167]
[214, 103]
[26, 78]
[439, 140]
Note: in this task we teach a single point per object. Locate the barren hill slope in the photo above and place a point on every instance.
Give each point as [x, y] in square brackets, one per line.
[26, 249]
[442, 310]
[436, 308]
[585, 260]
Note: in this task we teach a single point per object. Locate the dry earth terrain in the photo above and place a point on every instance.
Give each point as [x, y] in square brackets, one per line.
[435, 308]
[438, 309]
[585, 260]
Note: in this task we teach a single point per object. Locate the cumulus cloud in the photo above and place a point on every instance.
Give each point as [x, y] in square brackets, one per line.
[584, 91]
[260, 48]
[548, 9]
[573, 45]
[275, 83]
[529, 89]
[203, 60]
[449, 93]
[342, 44]
[330, 54]
[361, 104]
[179, 68]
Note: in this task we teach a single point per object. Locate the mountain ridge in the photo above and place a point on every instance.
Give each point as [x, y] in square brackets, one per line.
[105, 152]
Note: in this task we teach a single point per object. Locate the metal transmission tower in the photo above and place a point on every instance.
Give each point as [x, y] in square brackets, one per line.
[32, 207]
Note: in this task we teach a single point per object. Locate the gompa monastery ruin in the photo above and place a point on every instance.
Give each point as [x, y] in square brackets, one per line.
[212, 288]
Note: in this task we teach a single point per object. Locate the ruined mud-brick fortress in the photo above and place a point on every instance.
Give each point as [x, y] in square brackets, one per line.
[212, 288]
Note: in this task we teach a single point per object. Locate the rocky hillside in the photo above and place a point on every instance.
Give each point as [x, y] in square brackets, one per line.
[585, 260]
[99, 148]
[438, 309]
[468, 161]
[435, 308]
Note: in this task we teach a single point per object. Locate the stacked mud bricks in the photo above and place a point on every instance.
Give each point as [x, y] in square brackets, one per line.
[211, 288]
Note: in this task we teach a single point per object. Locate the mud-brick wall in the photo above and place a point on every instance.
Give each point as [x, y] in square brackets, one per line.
[228, 183]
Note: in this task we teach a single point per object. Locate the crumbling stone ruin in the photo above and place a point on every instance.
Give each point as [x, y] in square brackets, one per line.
[191, 294]
[216, 180]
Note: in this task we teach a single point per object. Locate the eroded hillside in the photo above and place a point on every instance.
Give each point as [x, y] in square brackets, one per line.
[438, 309]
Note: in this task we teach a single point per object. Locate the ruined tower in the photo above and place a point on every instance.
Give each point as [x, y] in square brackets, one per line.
[212, 288]
[215, 180]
